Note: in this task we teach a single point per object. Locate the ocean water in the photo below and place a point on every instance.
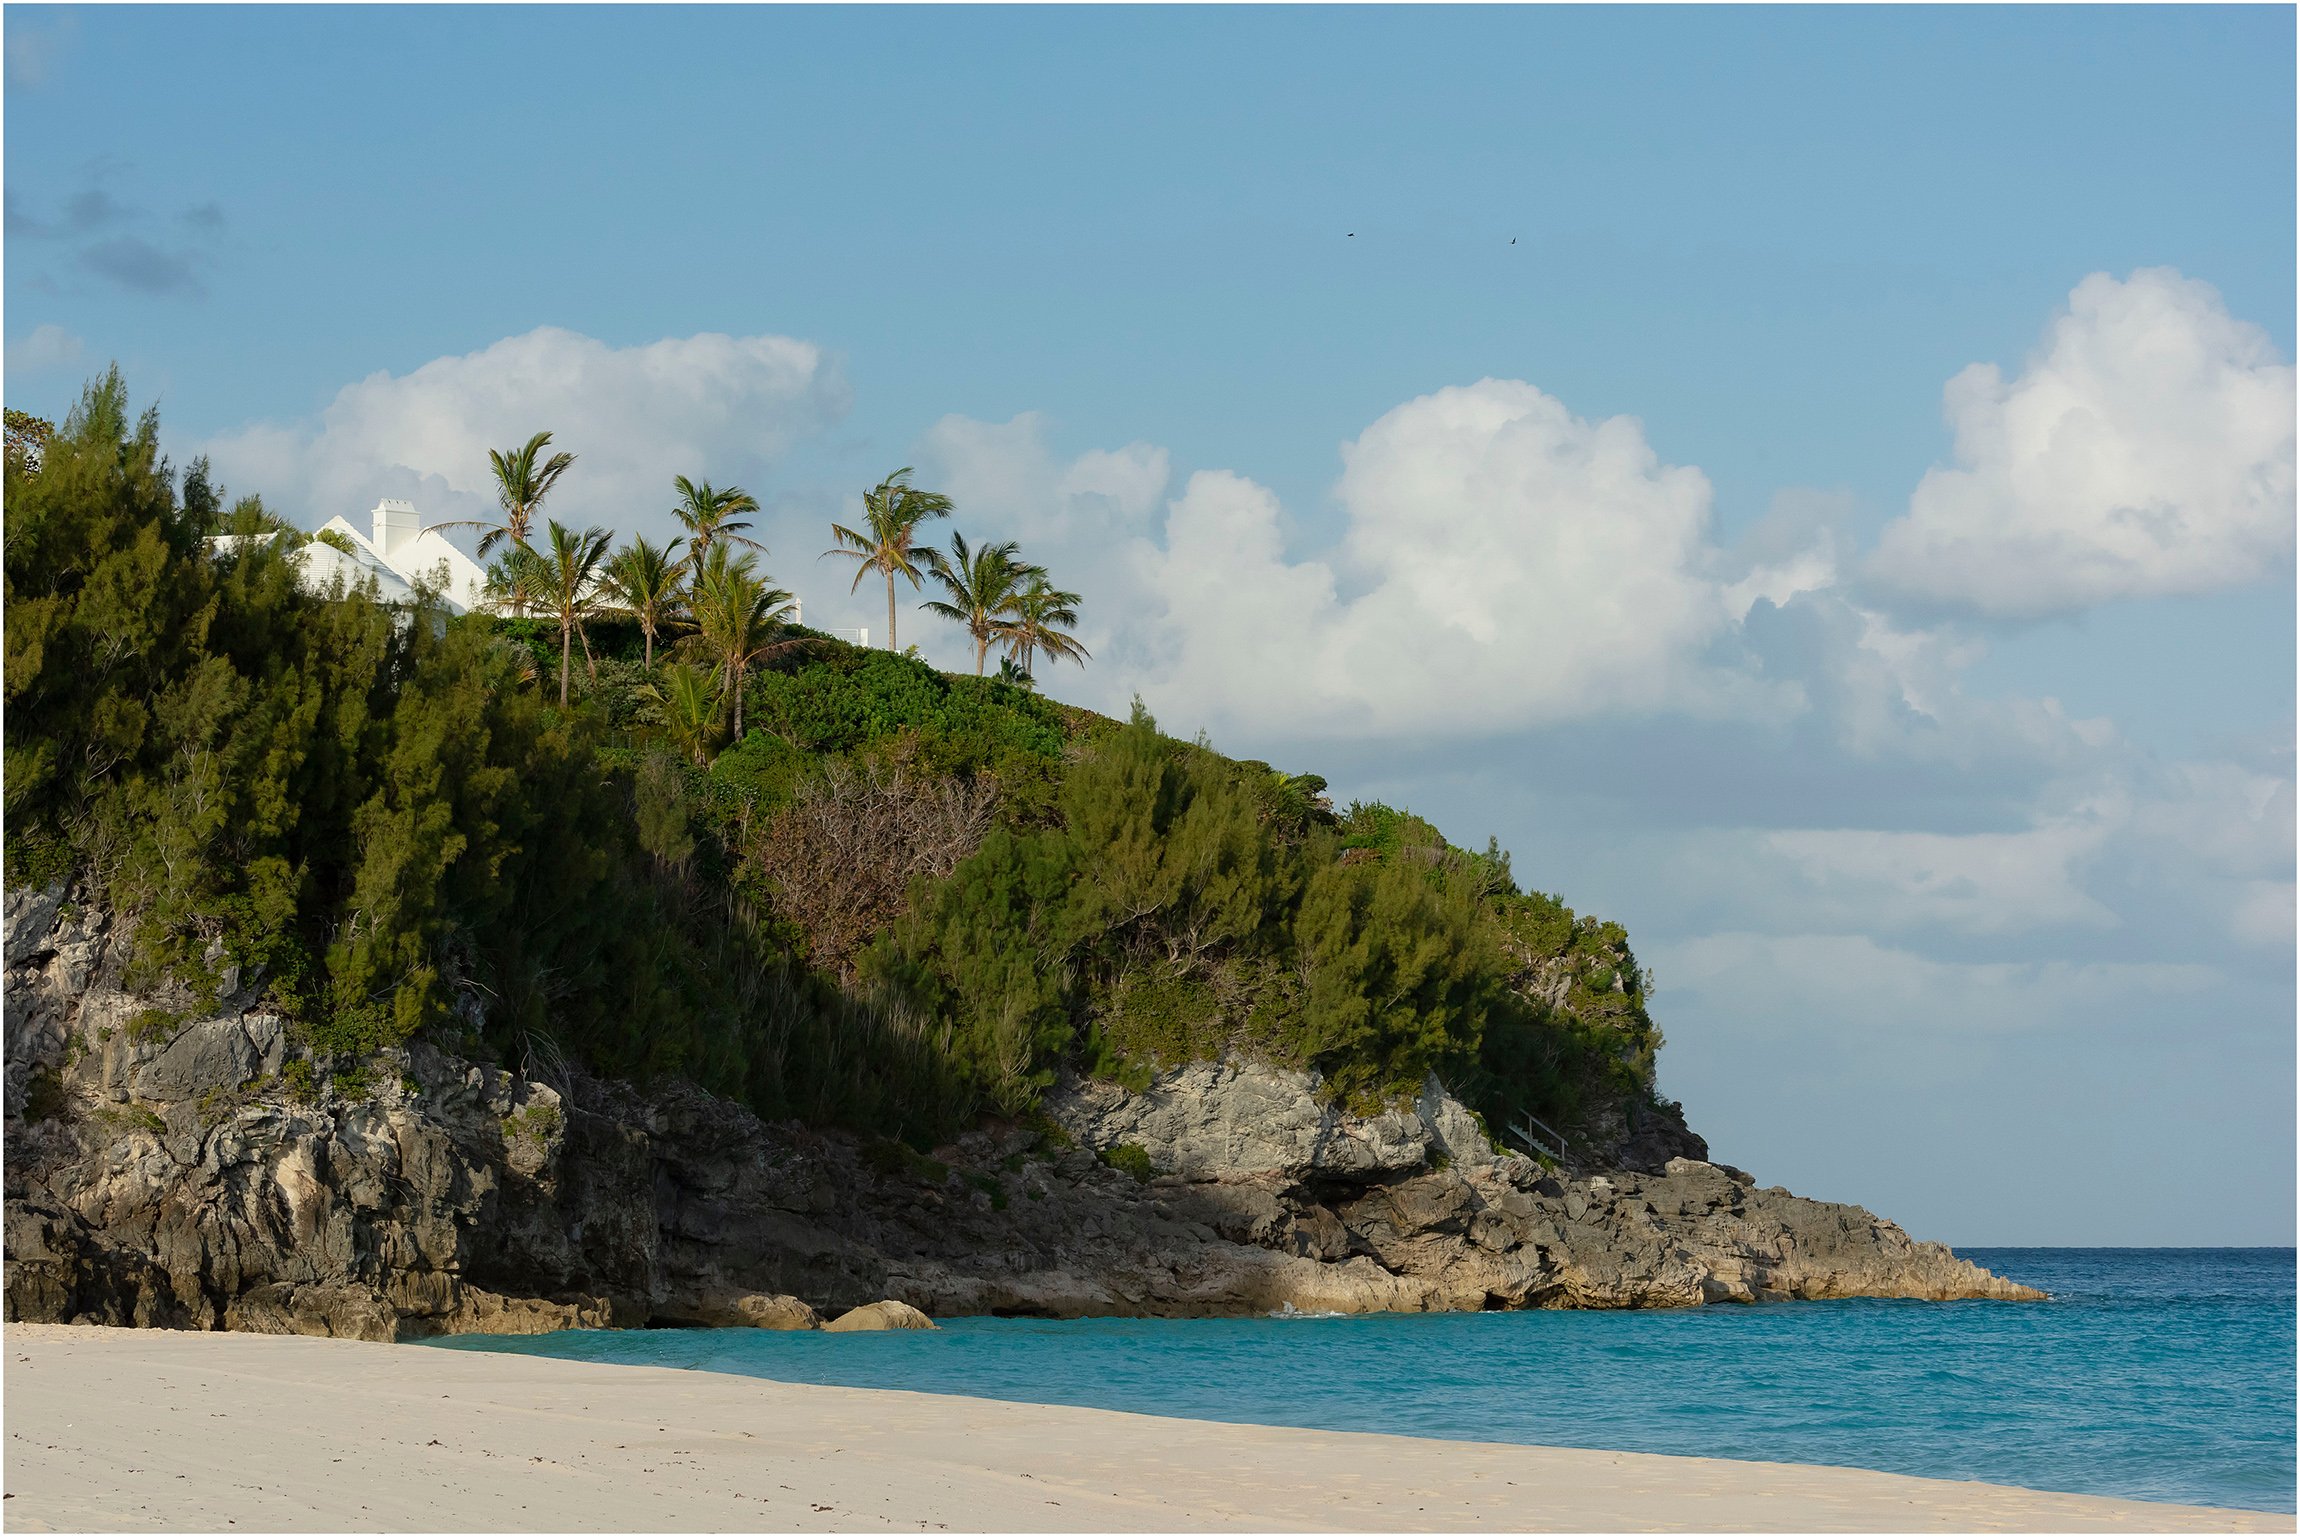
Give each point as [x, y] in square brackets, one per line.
[2158, 1374]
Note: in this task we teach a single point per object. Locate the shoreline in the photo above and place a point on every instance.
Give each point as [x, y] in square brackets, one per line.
[176, 1430]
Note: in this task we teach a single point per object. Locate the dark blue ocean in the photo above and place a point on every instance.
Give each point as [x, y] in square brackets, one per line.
[2157, 1374]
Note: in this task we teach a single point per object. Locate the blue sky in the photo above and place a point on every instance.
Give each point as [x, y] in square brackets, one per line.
[1956, 824]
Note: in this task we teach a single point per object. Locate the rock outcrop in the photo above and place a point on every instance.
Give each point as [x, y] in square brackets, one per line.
[873, 1317]
[182, 1166]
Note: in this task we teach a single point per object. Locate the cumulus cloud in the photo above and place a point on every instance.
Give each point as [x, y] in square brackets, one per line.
[1504, 564]
[708, 405]
[1081, 516]
[47, 347]
[2146, 449]
[1007, 472]
[1872, 689]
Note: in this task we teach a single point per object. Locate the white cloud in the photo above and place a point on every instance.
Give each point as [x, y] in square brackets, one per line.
[2147, 449]
[1852, 983]
[1006, 473]
[1878, 691]
[2177, 859]
[713, 406]
[45, 348]
[1975, 883]
[2222, 818]
[1504, 564]
[1079, 517]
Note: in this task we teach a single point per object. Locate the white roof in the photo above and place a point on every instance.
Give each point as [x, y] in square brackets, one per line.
[424, 558]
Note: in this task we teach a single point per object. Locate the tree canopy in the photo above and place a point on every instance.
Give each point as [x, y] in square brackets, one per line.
[835, 882]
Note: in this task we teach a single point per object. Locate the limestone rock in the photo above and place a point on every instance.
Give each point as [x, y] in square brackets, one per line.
[27, 919]
[879, 1315]
[173, 1179]
[1240, 1120]
[213, 1056]
[1229, 1120]
[748, 1310]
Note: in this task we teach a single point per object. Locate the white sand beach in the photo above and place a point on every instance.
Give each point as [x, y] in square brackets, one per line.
[143, 1430]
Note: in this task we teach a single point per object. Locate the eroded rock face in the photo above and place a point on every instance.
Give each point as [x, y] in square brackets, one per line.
[1227, 1120]
[165, 1174]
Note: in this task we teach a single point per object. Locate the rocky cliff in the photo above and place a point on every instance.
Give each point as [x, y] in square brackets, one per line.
[182, 1165]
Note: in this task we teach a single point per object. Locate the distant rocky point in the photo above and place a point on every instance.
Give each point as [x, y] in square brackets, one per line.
[184, 1174]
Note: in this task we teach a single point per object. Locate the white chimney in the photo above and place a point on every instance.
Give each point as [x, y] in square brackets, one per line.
[396, 523]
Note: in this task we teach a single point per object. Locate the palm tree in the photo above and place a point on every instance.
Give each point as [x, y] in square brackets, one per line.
[739, 620]
[515, 581]
[892, 512]
[569, 574]
[642, 580]
[712, 513]
[521, 484]
[984, 585]
[1039, 616]
[692, 707]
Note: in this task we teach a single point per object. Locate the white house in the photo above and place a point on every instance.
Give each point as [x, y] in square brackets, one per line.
[398, 555]
[399, 546]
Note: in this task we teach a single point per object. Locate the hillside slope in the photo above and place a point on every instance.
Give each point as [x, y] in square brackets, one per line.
[183, 1181]
[896, 900]
[346, 961]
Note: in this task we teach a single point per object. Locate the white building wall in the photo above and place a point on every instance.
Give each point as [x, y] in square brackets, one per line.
[400, 543]
[396, 551]
[322, 564]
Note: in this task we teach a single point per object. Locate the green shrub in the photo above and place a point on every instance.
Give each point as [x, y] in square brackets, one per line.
[44, 1098]
[123, 1118]
[400, 830]
[147, 1025]
[894, 1158]
[539, 1120]
[1132, 1159]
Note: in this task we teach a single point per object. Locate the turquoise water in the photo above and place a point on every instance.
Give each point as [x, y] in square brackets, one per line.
[2160, 1374]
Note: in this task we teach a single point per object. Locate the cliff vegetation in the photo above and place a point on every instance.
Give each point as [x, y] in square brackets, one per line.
[833, 883]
